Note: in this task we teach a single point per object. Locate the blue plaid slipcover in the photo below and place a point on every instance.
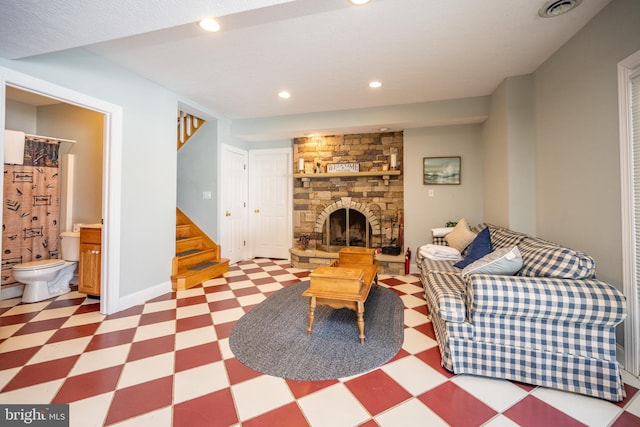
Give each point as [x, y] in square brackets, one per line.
[552, 324]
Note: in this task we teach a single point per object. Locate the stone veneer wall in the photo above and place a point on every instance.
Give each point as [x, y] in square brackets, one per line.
[371, 151]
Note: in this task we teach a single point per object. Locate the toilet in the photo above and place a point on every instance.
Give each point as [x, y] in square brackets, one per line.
[48, 278]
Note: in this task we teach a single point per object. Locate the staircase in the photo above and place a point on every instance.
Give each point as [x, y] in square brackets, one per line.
[197, 256]
[187, 126]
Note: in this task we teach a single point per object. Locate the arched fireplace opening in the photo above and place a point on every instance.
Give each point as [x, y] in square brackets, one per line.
[347, 223]
[347, 227]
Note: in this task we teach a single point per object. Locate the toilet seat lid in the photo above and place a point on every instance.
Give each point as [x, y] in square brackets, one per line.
[37, 265]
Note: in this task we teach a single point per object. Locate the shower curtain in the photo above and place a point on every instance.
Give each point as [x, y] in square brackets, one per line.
[30, 229]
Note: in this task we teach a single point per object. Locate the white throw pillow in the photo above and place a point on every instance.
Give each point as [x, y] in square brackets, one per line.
[441, 232]
[504, 261]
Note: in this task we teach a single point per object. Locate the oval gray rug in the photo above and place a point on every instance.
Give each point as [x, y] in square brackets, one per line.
[272, 337]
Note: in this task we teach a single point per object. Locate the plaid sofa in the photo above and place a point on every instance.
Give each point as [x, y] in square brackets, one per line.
[552, 324]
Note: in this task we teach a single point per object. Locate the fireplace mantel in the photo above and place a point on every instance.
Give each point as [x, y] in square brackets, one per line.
[386, 175]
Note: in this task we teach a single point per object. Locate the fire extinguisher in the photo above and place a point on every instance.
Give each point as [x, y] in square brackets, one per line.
[407, 261]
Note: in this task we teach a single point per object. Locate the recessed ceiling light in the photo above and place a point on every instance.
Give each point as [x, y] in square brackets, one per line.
[209, 24]
[554, 8]
[284, 94]
[359, 2]
[383, 129]
[375, 84]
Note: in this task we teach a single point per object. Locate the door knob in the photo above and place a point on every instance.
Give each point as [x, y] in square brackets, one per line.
[257, 211]
[227, 213]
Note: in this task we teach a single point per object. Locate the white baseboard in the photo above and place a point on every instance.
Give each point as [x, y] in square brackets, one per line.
[144, 295]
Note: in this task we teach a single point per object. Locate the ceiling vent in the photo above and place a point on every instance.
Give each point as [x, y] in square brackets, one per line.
[557, 7]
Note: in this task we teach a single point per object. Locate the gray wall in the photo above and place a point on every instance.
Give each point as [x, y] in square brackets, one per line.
[270, 145]
[197, 172]
[521, 154]
[577, 138]
[496, 159]
[21, 117]
[509, 160]
[449, 202]
[86, 128]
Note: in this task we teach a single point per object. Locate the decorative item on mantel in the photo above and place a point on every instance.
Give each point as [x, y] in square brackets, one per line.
[301, 165]
[303, 242]
[343, 167]
[317, 168]
[393, 158]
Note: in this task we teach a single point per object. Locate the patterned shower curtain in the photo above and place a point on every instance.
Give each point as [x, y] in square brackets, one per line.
[30, 229]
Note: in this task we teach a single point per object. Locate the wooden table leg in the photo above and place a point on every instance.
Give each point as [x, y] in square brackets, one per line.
[361, 321]
[312, 308]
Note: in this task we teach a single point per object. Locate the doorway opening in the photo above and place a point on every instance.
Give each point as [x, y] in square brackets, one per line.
[111, 175]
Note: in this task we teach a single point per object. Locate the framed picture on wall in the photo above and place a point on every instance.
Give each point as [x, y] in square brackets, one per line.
[441, 170]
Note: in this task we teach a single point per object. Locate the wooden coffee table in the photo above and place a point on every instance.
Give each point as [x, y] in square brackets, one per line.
[343, 285]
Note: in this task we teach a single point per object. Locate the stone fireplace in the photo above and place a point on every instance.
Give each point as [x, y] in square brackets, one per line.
[361, 206]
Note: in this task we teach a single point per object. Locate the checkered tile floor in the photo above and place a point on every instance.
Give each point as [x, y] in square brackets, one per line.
[168, 362]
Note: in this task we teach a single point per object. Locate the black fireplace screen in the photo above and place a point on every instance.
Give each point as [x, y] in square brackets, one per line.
[346, 227]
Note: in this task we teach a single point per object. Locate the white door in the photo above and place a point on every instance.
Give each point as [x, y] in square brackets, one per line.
[233, 212]
[271, 203]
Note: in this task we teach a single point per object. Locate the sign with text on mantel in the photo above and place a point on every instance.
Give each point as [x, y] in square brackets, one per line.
[343, 167]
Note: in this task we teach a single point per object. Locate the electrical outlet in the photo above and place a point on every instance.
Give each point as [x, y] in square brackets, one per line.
[430, 193]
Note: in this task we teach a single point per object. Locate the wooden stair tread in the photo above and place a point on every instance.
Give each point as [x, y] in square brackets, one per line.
[183, 238]
[190, 278]
[189, 252]
[197, 256]
[203, 265]
[190, 269]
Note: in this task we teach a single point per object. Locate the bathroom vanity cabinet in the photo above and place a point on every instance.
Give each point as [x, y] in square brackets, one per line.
[90, 261]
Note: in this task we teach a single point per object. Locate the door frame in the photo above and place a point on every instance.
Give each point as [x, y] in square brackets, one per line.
[631, 286]
[111, 175]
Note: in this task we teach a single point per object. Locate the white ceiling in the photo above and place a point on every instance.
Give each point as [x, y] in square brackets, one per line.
[323, 51]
